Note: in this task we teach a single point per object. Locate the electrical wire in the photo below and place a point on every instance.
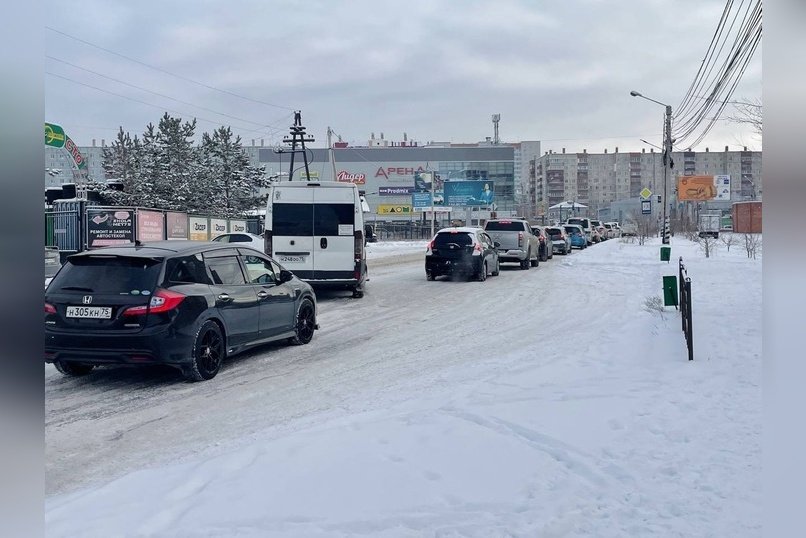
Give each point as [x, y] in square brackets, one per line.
[161, 70]
[218, 123]
[271, 127]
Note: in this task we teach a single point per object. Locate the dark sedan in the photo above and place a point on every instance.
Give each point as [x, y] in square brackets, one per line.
[460, 251]
[181, 303]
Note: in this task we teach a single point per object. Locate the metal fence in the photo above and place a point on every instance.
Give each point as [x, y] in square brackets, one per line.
[63, 230]
[685, 308]
[388, 231]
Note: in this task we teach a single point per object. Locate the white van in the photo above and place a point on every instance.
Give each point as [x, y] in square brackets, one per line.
[316, 231]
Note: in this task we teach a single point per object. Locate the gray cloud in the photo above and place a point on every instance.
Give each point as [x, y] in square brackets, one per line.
[436, 70]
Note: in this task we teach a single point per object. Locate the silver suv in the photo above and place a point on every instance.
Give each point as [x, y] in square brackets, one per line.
[516, 241]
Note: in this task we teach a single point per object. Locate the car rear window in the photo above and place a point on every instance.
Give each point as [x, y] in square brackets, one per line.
[572, 230]
[580, 222]
[462, 239]
[504, 226]
[553, 232]
[330, 219]
[292, 219]
[108, 274]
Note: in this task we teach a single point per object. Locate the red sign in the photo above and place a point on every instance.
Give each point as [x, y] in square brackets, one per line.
[347, 177]
[150, 225]
[397, 171]
[70, 146]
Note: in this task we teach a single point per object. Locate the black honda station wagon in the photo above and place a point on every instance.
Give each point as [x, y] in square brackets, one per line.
[186, 304]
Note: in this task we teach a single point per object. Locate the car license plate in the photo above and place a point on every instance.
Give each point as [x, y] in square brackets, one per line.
[292, 259]
[94, 312]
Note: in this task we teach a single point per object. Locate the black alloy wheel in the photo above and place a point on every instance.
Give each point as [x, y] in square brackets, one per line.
[208, 353]
[305, 324]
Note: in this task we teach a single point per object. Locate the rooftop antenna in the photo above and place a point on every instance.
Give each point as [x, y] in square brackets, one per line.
[496, 119]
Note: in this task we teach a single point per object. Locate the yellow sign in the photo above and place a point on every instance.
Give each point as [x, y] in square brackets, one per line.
[392, 209]
[646, 193]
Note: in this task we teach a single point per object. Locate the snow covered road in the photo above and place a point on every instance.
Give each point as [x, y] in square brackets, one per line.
[544, 402]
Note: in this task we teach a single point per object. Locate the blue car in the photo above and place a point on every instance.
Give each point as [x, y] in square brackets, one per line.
[577, 236]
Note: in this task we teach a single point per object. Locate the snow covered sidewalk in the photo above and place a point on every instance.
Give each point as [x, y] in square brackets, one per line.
[602, 429]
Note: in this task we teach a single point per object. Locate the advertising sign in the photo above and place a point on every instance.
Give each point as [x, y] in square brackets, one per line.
[469, 193]
[423, 181]
[217, 227]
[421, 199]
[76, 155]
[199, 229]
[237, 226]
[347, 177]
[394, 209]
[395, 191]
[54, 135]
[722, 184]
[109, 227]
[696, 188]
[150, 225]
[176, 225]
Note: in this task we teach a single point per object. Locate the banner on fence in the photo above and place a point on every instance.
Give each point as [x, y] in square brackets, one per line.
[217, 227]
[199, 229]
[150, 225]
[112, 226]
[176, 225]
[237, 226]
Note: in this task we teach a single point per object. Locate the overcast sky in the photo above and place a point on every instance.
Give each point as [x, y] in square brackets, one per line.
[556, 71]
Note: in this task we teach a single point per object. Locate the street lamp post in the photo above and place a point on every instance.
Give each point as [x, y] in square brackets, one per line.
[667, 158]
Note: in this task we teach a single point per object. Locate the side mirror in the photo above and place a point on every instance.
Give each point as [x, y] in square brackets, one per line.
[496, 244]
[285, 275]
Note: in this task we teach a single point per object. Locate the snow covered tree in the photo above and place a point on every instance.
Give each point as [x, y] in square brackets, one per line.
[234, 184]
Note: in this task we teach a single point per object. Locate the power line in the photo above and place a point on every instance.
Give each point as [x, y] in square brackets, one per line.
[218, 123]
[161, 70]
[163, 95]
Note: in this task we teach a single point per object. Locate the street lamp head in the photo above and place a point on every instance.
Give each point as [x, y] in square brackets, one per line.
[635, 94]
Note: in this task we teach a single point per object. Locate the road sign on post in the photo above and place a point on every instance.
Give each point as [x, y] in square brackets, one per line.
[646, 207]
[646, 193]
[54, 135]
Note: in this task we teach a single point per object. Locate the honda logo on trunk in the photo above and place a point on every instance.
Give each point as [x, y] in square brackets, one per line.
[87, 299]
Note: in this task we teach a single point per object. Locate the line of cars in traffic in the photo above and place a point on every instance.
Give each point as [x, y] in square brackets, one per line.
[477, 253]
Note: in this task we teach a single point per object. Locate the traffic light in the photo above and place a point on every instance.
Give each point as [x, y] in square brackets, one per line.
[659, 199]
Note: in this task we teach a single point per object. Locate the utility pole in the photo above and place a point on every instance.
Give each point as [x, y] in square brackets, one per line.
[667, 171]
[298, 136]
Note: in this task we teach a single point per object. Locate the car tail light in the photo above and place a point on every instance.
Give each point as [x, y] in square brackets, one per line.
[477, 249]
[50, 309]
[520, 239]
[430, 247]
[358, 246]
[161, 301]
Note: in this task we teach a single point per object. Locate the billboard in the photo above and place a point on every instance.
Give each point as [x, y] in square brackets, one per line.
[105, 227]
[176, 225]
[217, 227]
[722, 184]
[696, 188]
[199, 229]
[150, 225]
[423, 181]
[471, 193]
[421, 199]
[237, 226]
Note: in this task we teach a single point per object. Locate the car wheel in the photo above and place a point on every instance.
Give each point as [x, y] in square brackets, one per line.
[73, 369]
[207, 354]
[430, 276]
[305, 323]
[497, 268]
[482, 276]
[358, 293]
[526, 262]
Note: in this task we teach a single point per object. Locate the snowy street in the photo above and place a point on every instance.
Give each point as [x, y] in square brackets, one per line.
[548, 402]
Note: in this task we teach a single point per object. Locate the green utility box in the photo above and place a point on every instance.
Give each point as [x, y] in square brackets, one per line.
[670, 291]
[665, 253]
